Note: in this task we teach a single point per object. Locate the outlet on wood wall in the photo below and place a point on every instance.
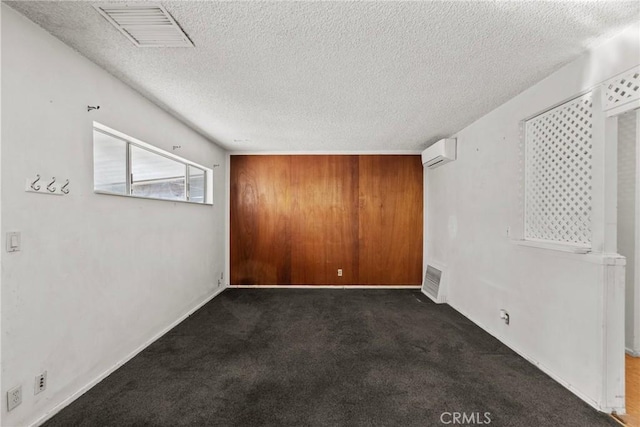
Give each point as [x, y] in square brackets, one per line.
[296, 220]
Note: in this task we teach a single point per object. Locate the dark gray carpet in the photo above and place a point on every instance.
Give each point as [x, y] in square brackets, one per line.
[323, 358]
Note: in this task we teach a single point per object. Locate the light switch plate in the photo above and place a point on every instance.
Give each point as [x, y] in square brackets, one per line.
[13, 241]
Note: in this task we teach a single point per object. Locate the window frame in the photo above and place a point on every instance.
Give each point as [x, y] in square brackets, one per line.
[129, 142]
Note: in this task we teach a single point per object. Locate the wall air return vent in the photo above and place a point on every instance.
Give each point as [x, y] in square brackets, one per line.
[145, 24]
[432, 285]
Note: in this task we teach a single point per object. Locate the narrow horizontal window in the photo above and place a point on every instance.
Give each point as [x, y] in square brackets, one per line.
[128, 167]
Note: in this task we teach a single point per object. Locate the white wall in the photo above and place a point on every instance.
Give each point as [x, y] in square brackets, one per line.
[627, 215]
[98, 276]
[1, 267]
[557, 301]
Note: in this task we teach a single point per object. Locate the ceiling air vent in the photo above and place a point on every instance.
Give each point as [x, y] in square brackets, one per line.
[145, 24]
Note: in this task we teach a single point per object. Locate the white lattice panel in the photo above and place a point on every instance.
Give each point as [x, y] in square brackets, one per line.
[622, 89]
[558, 161]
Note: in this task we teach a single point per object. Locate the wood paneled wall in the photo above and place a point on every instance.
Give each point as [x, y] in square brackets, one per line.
[295, 220]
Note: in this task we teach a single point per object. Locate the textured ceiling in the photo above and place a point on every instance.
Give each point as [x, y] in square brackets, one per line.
[340, 76]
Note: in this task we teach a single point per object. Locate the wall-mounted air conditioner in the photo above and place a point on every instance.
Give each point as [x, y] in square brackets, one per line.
[443, 151]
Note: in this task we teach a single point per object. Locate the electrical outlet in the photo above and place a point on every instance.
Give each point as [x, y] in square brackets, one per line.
[508, 231]
[41, 383]
[339, 272]
[14, 397]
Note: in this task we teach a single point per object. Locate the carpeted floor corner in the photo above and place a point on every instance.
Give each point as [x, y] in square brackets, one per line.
[298, 357]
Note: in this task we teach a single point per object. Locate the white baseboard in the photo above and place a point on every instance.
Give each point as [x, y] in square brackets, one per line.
[632, 353]
[128, 357]
[319, 287]
[592, 402]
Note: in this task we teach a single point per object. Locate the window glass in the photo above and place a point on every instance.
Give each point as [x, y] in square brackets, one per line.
[156, 176]
[130, 167]
[109, 163]
[196, 184]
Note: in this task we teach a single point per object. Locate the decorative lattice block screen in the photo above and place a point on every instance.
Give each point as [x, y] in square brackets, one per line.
[558, 151]
[622, 89]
